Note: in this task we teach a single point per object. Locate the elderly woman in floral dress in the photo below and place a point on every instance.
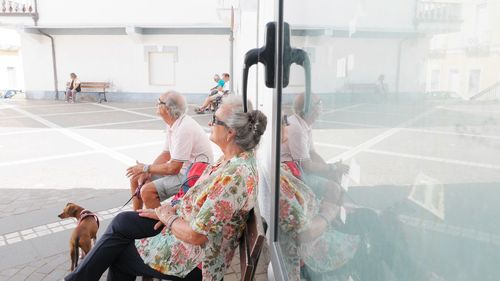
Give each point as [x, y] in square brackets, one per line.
[203, 230]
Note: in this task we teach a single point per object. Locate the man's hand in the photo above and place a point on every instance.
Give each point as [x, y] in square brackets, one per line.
[135, 170]
[338, 169]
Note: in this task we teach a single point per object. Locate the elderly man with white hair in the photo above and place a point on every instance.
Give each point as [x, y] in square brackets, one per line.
[186, 142]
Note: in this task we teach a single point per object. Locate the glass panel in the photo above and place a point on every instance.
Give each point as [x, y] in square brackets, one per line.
[393, 171]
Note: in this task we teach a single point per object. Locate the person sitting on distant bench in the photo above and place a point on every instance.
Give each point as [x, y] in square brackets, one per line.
[73, 88]
[220, 92]
[220, 84]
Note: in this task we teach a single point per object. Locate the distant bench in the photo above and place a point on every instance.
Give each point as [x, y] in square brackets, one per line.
[361, 87]
[251, 244]
[94, 87]
[372, 89]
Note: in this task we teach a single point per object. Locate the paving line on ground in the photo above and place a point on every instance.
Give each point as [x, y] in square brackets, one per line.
[128, 111]
[451, 133]
[350, 124]
[414, 156]
[42, 105]
[76, 154]
[93, 144]
[468, 110]
[78, 127]
[411, 129]
[435, 159]
[77, 112]
[371, 142]
[48, 158]
[375, 112]
[342, 108]
[54, 227]
[113, 123]
[451, 230]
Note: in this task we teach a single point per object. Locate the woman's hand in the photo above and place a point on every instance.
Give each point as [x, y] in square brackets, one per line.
[164, 212]
[150, 214]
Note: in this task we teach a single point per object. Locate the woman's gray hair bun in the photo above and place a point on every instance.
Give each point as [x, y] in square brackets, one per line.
[249, 126]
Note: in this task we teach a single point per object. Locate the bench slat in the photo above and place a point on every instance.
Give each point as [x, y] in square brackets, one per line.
[94, 87]
[251, 244]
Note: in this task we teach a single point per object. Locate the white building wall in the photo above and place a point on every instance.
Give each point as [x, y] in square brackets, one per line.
[123, 61]
[368, 64]
[12, 80]
[366, 15]
[127, 12]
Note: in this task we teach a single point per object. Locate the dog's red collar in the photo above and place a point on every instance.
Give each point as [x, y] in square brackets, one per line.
[85, 214]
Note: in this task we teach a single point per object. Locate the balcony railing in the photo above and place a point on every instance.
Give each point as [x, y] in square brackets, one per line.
[490, 93]
[430, 11]
[17, 8]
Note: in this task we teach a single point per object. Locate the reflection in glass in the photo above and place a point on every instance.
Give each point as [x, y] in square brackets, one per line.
[412, 96]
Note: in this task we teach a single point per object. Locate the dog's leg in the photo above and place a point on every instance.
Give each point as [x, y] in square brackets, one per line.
[74, 257]
[82, 254]
[86, 245]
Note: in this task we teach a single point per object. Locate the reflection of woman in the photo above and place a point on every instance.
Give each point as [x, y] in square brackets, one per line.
[312, 234]
[306, 225]
[205, 228]
[308, 231]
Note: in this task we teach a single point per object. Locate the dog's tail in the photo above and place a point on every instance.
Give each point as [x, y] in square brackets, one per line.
[76, 251]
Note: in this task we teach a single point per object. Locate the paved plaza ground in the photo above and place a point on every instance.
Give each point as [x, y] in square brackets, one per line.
[52, 153]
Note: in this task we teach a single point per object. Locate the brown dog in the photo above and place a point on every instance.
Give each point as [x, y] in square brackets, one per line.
[84, 235]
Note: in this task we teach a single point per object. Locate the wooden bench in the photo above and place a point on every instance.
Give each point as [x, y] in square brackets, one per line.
[94, 87]
[361, 87]
[357, 89]
[251, 244]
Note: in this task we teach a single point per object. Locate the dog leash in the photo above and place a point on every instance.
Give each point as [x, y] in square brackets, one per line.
[137, 192]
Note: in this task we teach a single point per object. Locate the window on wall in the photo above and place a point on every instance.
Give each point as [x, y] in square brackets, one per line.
[11, 77]
[435, 80]
[454, 81]
[474, 76]
[161, 68]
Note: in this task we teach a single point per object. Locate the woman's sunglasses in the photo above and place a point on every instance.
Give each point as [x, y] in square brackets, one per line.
[216, 121]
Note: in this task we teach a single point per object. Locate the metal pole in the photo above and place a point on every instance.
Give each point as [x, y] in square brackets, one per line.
[54, 66]
[231, 52]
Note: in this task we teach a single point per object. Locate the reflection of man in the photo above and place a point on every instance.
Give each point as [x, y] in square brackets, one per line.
[186, 141]
[382, 87]
[300, 148]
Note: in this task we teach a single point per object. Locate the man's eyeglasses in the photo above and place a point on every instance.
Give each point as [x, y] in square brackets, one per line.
[284, 121]
[160, 102]
[216, 121]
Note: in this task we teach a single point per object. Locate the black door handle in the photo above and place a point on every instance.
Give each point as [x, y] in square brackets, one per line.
[266, 55]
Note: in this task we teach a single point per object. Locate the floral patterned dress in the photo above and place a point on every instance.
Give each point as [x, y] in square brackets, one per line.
[298, 205]
[216, 206]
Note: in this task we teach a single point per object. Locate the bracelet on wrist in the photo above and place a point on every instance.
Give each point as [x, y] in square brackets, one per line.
[174, 218]
[324, 217]
[145, 168]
